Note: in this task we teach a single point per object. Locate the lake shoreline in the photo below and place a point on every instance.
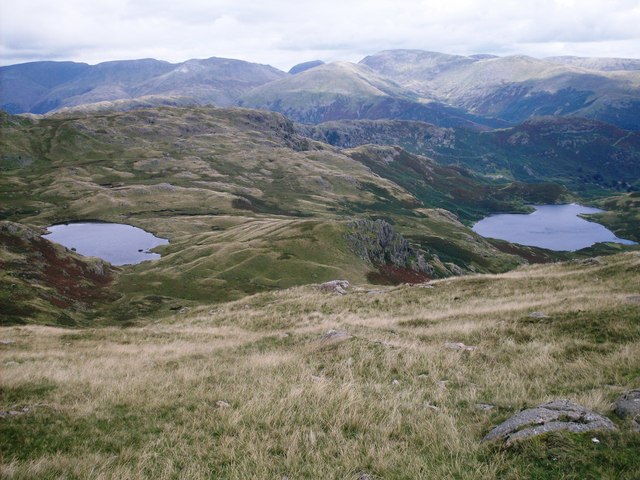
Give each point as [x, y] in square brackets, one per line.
[554, 227]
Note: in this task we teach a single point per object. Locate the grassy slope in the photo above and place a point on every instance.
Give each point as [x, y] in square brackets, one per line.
[454, 189]
[141, 402]
[44, 282]
[247, 204]
[622, 215]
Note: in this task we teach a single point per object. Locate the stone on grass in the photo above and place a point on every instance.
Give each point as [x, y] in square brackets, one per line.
[549, 417]
[12, 413]
[222, 404]
[538, 315]
[334, 286]
[459, 346]
[335, 335]
[627, 406]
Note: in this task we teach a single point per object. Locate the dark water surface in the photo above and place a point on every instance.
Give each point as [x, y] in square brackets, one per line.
[116, 243]
[556, 227]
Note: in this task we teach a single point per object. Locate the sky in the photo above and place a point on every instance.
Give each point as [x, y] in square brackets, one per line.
[283, 33]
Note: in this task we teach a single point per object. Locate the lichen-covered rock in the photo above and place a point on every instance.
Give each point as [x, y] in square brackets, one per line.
[549, 417]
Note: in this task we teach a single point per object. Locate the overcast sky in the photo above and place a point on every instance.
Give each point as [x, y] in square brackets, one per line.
[285, 32]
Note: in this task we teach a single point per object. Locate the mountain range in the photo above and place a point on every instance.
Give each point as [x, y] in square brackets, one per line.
[478, 91]
[323, 308]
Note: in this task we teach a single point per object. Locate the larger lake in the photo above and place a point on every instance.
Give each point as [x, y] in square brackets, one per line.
[556, 227]
[116, 243]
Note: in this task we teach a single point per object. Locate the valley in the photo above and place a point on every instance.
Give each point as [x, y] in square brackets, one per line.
[229, 355]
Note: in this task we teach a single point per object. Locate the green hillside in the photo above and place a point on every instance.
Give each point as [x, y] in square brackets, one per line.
[588, 157]
[247, 204]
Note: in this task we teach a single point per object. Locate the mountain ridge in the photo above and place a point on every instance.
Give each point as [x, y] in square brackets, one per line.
[449, 90]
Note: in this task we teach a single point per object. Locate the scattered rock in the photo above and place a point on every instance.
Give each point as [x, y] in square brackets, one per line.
[460, 346]
[538, 315]
[335, 335]
[486, 407]
[334, 286]
[431, 407]
[627, 406]
[590, 261]
[364, 476]
[455, 269]
[375, 292]
[7, 342]
[549, 417]
[633, 299]
[595, 440]
[395, 382]
[12, 413]
[222, 404]
[284, 335]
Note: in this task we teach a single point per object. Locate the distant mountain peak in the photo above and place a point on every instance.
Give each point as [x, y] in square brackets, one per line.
[301, 67]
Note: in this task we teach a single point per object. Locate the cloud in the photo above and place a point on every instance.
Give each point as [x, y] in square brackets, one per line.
[285, 32]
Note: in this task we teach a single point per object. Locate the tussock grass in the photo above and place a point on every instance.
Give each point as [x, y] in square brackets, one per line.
[390, 401]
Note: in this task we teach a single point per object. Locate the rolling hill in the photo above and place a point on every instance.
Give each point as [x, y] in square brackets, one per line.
[247, 203]
[40, 87]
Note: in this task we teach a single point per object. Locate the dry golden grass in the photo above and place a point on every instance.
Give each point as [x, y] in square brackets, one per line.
[391, 401]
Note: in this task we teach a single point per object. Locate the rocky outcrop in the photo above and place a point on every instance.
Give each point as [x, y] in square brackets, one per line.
[377, 242]
[549, 417]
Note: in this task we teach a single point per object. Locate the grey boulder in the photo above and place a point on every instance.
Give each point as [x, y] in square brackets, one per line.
[549, 417]
[628, 406]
